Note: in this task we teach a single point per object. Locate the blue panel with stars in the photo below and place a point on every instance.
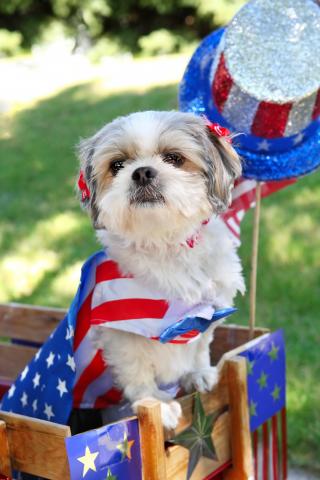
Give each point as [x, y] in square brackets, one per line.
[266, 367]
[111, 452]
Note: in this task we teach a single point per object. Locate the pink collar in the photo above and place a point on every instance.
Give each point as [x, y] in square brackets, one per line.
[195, 238]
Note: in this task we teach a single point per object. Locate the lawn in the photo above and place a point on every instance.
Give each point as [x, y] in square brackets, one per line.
[45, 237]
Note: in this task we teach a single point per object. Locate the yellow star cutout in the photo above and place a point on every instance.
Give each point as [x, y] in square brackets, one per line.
[250, 366]
[88, 461]
[125, 447]
[262, 380]
[253, 409]
[273, 354]
[276, 392]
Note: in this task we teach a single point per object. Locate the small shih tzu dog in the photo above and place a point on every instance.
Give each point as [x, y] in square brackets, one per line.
[157, 182]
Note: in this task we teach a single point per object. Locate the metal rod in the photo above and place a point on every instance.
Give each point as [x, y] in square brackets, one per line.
[254, 261]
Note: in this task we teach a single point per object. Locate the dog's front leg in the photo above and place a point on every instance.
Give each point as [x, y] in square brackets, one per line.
[203, 377]
[130, 357]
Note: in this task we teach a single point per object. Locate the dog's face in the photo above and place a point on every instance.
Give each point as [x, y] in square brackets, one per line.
[155, 176]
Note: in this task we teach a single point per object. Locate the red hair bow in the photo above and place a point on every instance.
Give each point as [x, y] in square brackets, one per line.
[219, 131]
[83, 187]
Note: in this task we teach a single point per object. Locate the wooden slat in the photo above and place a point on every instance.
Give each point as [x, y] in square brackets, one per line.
[242, 461]
[229, 337]
[177, 457]
[36, 446]
[152, 440]
[5, 465]
[13, 360]
[26, 322]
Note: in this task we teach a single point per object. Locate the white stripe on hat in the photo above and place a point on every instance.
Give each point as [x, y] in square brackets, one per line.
[300, 115]
[239, 101]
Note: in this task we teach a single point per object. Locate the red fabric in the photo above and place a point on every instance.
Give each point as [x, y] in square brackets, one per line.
[95, 368]
[275, 448]
[265, 453]
[222, 84]
[83, 321]
[255, 440]
[284, 443]
[270, 120]
[316, 110]
[109, 270]
[128, 309]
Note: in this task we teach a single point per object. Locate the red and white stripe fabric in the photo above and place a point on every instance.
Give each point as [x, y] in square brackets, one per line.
[263, 118]
[243, 198]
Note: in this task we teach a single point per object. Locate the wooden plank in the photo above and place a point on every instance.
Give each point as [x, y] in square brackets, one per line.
[242, 458]
[36, 446]
[5, 465]
[13, 360]
[152, 440]
[177, 457]
[27, 322]
[229, 337]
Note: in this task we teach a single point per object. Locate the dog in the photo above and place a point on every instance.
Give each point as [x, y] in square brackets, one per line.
[158, 182]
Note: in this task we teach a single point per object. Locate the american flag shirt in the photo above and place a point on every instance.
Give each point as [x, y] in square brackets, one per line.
[69, 371]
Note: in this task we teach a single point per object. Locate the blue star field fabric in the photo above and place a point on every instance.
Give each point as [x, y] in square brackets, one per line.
[111, 452]
[266, 380]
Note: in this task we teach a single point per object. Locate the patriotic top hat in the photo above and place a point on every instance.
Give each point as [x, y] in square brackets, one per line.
[260, 76]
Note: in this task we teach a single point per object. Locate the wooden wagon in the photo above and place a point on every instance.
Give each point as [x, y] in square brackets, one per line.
[38, 447]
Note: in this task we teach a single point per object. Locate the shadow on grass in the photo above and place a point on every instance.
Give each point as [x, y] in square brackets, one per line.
[38, 172]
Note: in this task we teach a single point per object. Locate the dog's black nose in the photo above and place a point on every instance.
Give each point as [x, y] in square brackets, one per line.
[144, 175]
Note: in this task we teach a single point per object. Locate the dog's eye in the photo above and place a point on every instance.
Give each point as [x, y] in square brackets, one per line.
[116, 166]
[173, 158]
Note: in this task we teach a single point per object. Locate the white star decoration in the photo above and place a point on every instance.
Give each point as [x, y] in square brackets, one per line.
[37, 355]
[48, 411]
[70, 332]
[71, 363]
[36, 380]
[264, 145]
[62, 387]
[50, 359]
[35, 405]
[88, 461]
[24, 373]
[11, 391]
[298, 138]
[24, 399]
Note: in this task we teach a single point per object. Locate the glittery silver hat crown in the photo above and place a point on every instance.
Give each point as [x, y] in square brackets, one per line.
[260, 76]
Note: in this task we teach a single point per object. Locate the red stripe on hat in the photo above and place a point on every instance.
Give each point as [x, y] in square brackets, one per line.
[190, 334]
[109, 270]
[270, 120]
[111, 397]
[316, 109]
[129, 309]
[222, 84]
[83, 321]
[95, 368]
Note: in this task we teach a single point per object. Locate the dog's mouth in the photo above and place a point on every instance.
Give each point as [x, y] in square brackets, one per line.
[146, 195]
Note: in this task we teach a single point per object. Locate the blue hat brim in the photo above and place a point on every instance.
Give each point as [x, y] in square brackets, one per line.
[195, 96]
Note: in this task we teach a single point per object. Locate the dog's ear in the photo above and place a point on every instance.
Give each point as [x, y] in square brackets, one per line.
[224, 166]
[87, 184]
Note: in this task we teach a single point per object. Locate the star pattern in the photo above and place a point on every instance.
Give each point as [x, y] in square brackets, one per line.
[71, 363]
[250, 365]
[263, 146]
[24, 373]
[273, 354]
[36, 380]
[262, 380]
[125, 447]
[24, 399]
[276, 392]
[88, 461]
[48, 411]
[50, 359]
[62, 387]
[110, 476]
[197, 438]
[253, 409]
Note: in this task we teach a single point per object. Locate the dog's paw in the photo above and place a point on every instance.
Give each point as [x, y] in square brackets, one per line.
[202, 380]
[170, 414]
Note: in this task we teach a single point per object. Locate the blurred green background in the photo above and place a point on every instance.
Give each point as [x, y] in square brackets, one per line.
[70, 66]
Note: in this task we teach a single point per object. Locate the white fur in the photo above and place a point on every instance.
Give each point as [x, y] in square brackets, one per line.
[149, 241]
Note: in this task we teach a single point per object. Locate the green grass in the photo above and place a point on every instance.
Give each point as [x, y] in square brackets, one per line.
[45, 237]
